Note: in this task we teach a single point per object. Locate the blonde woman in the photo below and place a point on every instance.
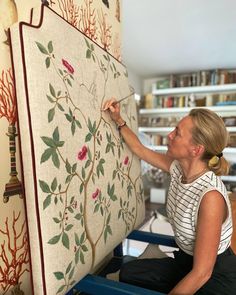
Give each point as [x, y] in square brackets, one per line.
[198, 208]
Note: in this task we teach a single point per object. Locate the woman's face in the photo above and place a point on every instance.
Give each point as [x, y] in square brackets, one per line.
[180, 145]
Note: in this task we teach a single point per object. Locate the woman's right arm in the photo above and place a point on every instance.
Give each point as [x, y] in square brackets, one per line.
[158, 160]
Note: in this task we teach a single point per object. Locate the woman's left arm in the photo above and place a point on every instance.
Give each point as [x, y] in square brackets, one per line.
[211, 215]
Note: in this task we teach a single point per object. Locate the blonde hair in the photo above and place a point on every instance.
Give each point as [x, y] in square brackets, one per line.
[209, 130]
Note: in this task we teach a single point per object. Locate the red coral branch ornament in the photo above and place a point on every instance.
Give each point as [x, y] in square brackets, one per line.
[7, 97]
[87, 20]
[14, 254]
[105, 31]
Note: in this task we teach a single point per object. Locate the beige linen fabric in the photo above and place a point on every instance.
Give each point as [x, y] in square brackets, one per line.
[83, 189]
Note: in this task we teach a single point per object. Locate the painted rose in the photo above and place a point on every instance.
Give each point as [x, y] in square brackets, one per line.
[126, 160]
[68, 66]
[96, 194]
[82, 154]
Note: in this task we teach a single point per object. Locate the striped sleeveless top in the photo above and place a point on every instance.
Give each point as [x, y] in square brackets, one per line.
[183, 203]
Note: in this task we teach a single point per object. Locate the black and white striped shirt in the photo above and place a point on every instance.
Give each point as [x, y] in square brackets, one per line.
[183, 203]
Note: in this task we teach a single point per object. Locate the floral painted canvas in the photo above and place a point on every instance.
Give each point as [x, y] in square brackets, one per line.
[82, 185]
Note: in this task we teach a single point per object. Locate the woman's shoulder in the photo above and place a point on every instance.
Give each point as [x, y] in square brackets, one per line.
[175, 168]
[214, 182]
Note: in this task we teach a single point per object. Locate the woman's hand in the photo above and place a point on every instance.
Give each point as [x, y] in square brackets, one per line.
[113, 107]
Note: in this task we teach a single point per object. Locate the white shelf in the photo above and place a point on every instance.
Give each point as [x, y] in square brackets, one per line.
[166, 130]
[168, 112]
[231, 178]
[226, 88]
[161, 148]
[159, 130]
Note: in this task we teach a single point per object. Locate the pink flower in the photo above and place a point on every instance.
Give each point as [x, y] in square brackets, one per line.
[82, 154]
[126, 160]
[96, 193]
[68, 66]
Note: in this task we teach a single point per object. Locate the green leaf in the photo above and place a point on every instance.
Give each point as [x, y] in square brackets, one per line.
[42, 48]
[107, 148]
[69, 226]
[96, 208]
[55, 134]
[88, 137]
[114, 174]
[88, 162]
[77, 256]
[47, 202]
[74, 167]
[54, 240]
[77, 240]
[112, 189]
[60, 107]
[98, 170]
[78, 216]
[83, 173]
[102, 170]
[47, 62]
[50, 47]
[56, 220]
[113, 197]
[89, 154]
[73, 127]
[52, 91]
[46, 155]
[69, 118]
[90, 127]
[48, 141]
[109, 229]
[65, 241]
[59, 143]
[78, 124]
[84, 248]
[70, 209]
[44, 186]
[54, 184]
[87, 43]
[71, 274]
[82, 257]
[105, 235]
[59, 275]
[61, 289]
[88, 53]
[68, 166]
[51, 114]
[68, 178]
[94, 127]
[55, 160]
[69, 82]
[81, 187]
[50, 99]
[108, 218]
[82, 238]
[68, 268]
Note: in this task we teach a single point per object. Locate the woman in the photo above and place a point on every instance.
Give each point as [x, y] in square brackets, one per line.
[198, 208]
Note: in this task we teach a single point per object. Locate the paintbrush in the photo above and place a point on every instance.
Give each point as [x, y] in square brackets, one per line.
[123, 98]
[120, 100]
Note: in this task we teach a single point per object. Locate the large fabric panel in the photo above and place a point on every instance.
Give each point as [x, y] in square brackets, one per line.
[83, 189]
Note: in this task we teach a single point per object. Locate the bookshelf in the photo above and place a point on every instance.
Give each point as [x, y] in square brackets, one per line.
[165, 113]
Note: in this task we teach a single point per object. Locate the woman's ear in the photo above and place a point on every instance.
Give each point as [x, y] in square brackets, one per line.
[198, 150]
